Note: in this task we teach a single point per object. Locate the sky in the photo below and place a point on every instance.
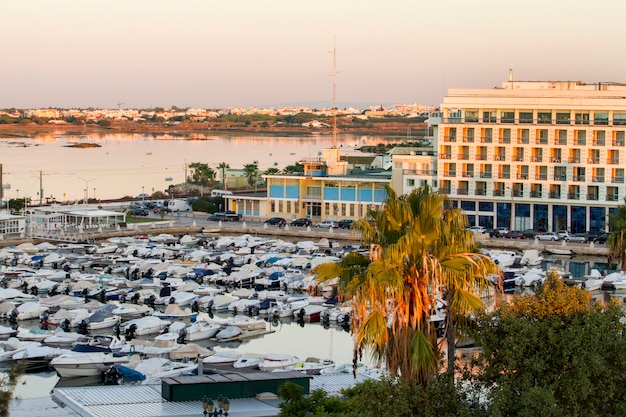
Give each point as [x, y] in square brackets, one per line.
[251, 53]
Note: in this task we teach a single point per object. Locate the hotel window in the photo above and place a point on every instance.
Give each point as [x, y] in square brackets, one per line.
[487, 135]
[523, 136]
[500, 154]
[507, 117]
[555, 191]
[555, 155]
[505, 135]
[481, 153]
[451, 136]
[541, 173]
[518, 154]
[471, 116]
[593, 156]
[489, 116]
[574, 156]
[485, 171]
[560, 173]
[542, 136]
[526, 117]
[617, 176]
[579, 173]
[563, 118]
[561, 137]
[612, 193]
[598, 137]
[597, 175]
[544, 117]
[619, 119]
[580, 137]
[613, 157]
[536, 155]
[600, 118]
[581, 118]
[618, 138]
[468, 135]
[592, 192]
[535, 190]
[410, 182]
[464, 152]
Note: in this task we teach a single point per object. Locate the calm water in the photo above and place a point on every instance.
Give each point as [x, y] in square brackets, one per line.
[311, 339]
[131, 164]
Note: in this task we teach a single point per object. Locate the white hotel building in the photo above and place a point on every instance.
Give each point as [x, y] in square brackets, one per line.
[528, 155]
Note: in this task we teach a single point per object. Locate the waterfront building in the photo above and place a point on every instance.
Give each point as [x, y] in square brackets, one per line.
[533, 155]
[332, 187]
[12, 225]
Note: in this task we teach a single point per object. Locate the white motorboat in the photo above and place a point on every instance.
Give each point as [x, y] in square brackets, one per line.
[75, 364]
[36, 358]
[144, 326]
[312, 366]
[61, 338]
[228, 332]
[128, 311]
[248, 360]
[200, 330]
[174, 312]
[593, 281]
[247, 323]
[30, 310]
[275, 361]
[222, 357]
[152, 370]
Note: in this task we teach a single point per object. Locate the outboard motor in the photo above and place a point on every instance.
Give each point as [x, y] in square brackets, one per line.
[122, 297]
[54, 290]
[181, 337]
[135, 298]
[165, 291]
[13, 318]
[66, 290]
[326, 318]
[150, 301]
[130, 332]
[117, 329]
[172, 300]
[102, 296]
[111, 376]
[34, 290]
[66, 325]
[66, 267]
[195, 307]
[83, 327]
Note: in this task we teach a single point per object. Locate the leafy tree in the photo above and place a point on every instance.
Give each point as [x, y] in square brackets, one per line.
[8, 382]
[223, 166]
[293, 169]
[552, 353]
[271, 171]
[419, 252]
[104, 123]
[202, 174]
[617, 239]
[251, 173]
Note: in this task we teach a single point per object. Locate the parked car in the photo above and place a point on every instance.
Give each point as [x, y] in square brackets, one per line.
[597, 237]
[547, 236]
[160, 207]
[477, 229]
[499, 232]
[345, 224]
[303, 222]
[328, 224]
[577, 237]
[275, 221]
[216, 217]
[563, 234]
[139, 212]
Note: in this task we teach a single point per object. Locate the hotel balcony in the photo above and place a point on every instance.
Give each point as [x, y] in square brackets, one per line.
[517, 193]
[506, 141]
[612, 197]
[554, 195]
[618, 142]
[498, 193]
[481, 157]
[555, 159]
[449, 138]
[560, 177]
[444, 156]
[468, 139]
[574, 160]
[463, 156]
[580, 178]
[617, 180]
[449, 173]
[480, 192]
[485, 175]
[592, 197]
[612, 161]
[445, 190]
[419, 172]
[504, 176]
[522, 176]
[541, 141]
[311, 198]
[536, 158]
[462, 191]
[541, 177]
[467, 174]
[518, 158]
[593, 160]
[486, 139]
[535, 194]
[499, 158]
[522, 141]
[597, 179]
[558, 141]
[573, 196]
[598, 142]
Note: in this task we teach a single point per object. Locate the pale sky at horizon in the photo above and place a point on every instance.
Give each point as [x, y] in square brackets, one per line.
[202, 53]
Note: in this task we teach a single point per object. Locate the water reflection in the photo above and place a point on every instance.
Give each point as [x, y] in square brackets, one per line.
[126, 164]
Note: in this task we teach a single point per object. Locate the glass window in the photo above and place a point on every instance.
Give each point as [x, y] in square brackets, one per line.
[601, 118]
[468, 205]
[544, 117]
[526, 117]
[619, 119]
[507, 117]
[485, 206]
[489, 116]
[562, 118]
[581, 118]
[471, 116]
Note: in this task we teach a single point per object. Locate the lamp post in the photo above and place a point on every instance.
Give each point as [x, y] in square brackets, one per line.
[209, 409]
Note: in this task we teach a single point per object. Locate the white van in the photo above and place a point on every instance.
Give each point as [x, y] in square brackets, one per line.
[178, 205]
[220, 193]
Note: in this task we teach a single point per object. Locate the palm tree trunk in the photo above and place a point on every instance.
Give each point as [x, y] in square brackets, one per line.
[450, 333]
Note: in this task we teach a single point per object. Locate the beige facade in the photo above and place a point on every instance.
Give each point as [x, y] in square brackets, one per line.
[533, 155]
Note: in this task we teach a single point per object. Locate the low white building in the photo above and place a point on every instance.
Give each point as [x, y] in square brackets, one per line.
[12, 225]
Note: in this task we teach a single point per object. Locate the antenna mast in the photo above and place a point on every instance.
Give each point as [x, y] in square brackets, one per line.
[335, 93]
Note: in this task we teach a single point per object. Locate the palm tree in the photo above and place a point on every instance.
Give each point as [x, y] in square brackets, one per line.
[617, 239]
[223, 166]
[420, 254]
[251, 173]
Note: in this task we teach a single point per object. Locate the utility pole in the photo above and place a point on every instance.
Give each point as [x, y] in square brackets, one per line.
[40, 187]
[334, 52]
